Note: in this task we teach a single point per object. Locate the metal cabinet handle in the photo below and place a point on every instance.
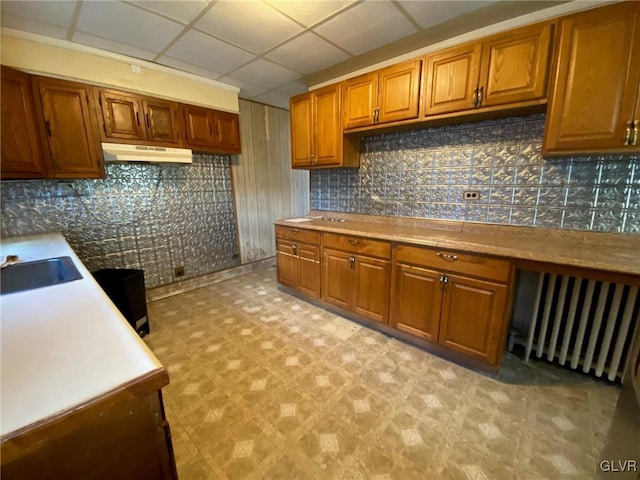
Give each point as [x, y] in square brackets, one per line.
[376, 115]
[475, 97]
[480, 96]
[295, 231]
[444, 280]
[294, 247]
[627, 137]
[352, 262]
[354, 242]
[635, 133]
[138, 118]
[448, 257]
[147, 120]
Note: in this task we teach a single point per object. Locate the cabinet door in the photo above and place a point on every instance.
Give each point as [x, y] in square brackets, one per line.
[287, 263]
[451, 79]
[594, 90]
[360, 100]
[70, 129]
[120, 115]
[21, 150]
[416, 301]
[301, 130]
[371, 290]
[161, 119]
[199, 126]
[472, 318]
[515, 66]
[309, 270]
[328, 128]
[227, 132]
[399, 91]
[336, 278]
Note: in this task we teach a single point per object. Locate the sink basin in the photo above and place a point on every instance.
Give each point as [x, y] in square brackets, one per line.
[37, 274]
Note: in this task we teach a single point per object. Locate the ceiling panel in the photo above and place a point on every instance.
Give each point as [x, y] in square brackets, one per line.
[250, 25]
[33, 26]
[111, 46]
[187, 67]
[267, 73]
[273, 98]
[309, 13]
[247, 90]
[295, 53]
[207, 52]
[366, 26]
[293, 88]
[181, 11]
[127, 24]
[54, 13]
[427, 14]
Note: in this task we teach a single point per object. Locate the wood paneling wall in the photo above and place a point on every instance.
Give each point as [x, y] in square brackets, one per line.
[265, 186]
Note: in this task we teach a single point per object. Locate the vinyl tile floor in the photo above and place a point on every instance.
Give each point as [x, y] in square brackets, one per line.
[267, 386]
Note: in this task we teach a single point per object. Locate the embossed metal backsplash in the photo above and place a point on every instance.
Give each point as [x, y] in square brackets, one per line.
[424, 173]
[142, 216]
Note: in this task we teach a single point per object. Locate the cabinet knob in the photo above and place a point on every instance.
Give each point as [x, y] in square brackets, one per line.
[627, 137]
[448, 257]
[352, 262]
[294, 247]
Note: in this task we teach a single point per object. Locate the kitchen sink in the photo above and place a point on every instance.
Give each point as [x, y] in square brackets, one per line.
[40, 273]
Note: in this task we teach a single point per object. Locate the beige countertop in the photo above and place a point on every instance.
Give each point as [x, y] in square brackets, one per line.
[611, 252]
[63, 345]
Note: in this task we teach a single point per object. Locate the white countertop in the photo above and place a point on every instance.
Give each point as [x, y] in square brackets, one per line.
[62, 345]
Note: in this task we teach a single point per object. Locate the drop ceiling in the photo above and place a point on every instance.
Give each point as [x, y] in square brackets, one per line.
[270, 49]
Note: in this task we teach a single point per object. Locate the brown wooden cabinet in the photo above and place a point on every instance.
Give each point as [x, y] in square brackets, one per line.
[298, 260]
[211, 130]
[464, 311]
[316, 130]
[70, 134]
[127, 117]
[594, 105]
[21, 150]
[388, 95]
[506, 69]
[356, 275]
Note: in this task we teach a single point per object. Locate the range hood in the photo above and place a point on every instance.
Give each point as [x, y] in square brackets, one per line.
[119, 152]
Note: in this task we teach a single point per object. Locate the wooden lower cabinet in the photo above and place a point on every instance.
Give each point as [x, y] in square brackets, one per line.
[356, 282]
[472, 319]
[299, 266]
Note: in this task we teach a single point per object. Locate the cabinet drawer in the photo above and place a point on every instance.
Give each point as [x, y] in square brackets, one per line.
[453, 261]
[301, 235]
[375, 248]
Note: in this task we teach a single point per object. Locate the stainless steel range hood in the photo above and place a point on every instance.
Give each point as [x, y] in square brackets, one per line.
[118, 152]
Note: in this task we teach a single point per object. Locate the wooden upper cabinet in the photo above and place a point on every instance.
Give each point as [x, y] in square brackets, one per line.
[505, 69]
[594, 99]
[300, 108]
[161, 121]
[211, 130]
[451, 79]
[515, 66]
[21, 151]
[316, 128]
[388, 95]
[360, 100]
[121, 113]
[70, 132]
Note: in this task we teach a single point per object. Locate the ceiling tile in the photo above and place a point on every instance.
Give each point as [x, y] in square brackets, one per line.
[187, 67]
[309, 13]
[293, 88]
[247, 90]
[295, 54]
[208, 52]
[127, 24]
[181, 11]
[250, 25]
[273, 98]
[58, 13]
[366, 26]
[266, 74]
[427, 14]
[111, 46]
[33, 26]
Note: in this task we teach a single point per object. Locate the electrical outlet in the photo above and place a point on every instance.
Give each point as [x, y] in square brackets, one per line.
[178, 272]
[471, 195]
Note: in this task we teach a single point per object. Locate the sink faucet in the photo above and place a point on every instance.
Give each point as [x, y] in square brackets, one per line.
[10, 260]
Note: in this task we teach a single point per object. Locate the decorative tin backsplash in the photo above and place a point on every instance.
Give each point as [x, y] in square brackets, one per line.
[424, 173]
[142, 216]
